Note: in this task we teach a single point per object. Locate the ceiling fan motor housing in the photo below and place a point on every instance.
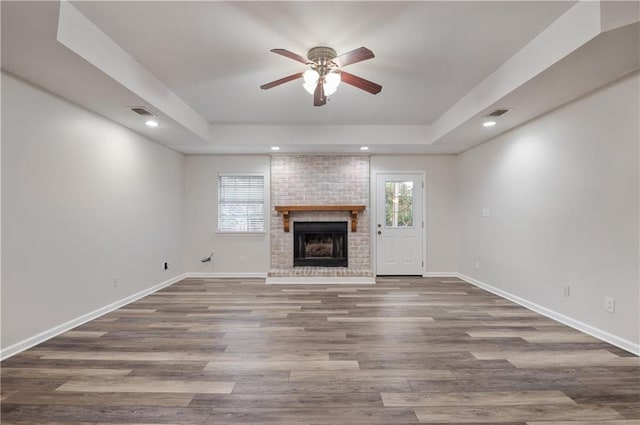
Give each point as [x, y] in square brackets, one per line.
[321, 55]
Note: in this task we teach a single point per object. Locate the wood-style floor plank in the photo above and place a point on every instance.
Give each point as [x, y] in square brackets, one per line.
[371, 375]
[613, 422]
[86, 398]
[68, 373]
[559, 358]
[403, 351]
[536, 336]
[284, 365]
[502, 414]
[140, 385]
[312, 415]
[497, 398]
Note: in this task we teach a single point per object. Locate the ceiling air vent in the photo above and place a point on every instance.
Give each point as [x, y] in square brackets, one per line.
[141, 111]
[498, 113]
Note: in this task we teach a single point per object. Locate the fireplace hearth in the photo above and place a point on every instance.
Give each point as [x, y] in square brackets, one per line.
[320, 244]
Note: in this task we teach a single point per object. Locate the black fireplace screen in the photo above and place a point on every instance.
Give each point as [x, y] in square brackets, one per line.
[320, 244]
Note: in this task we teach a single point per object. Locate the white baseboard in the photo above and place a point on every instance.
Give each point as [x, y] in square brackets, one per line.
[576, 324]
[211, 275]
[57, 330]
[309, 280]
[440, 274]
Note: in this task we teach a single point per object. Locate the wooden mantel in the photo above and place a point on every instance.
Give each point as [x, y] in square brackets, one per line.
[286, 209]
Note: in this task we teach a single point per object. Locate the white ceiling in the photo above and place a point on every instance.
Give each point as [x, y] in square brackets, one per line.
[215, 55]
[199, 65]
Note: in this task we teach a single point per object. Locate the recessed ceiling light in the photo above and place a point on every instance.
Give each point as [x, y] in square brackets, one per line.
[364, 148]
[489, 123]
[275, 148]
[152, 123]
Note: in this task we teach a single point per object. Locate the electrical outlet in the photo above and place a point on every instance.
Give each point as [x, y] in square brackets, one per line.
[477, 265]
[609, 304]
[115, 281]
[242, 259]
[486, 212]
[566, 291]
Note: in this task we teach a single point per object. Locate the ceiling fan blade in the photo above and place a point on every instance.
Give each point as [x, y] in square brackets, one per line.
[291, 55]
[361, 83]
[319, 98]
[354, 56]
[281, 81]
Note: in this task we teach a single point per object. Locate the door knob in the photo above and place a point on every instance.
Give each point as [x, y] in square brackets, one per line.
[379, 232]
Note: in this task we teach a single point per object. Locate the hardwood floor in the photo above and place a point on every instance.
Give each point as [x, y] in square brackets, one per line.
[403, 351]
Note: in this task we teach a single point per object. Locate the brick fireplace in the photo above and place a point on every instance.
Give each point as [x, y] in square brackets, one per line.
[323, 180]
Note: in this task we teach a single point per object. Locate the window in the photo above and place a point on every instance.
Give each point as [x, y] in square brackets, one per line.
[240, 203]
[399, 204]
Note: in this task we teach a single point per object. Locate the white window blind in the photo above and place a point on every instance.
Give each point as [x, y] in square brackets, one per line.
[241, 203]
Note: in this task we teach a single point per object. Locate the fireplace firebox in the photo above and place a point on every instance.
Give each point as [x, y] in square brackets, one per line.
[320, 244]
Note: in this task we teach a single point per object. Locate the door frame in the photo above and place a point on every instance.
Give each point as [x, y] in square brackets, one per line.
[373, 201]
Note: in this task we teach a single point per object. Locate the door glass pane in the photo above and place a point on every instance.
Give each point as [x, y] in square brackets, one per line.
[398, 204]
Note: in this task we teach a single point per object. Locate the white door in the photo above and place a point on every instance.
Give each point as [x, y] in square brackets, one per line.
[399, 224]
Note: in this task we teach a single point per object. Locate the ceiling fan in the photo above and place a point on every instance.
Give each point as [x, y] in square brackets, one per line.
[323, 76]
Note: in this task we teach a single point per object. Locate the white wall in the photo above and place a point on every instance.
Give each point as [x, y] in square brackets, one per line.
[235, 255]
[441, 203]
[563, 194]
[84, 200]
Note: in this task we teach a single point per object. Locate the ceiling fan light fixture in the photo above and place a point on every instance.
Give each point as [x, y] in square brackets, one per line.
[311, 76]
[331, 82]
[333, 79]
[310, 88]
[329, 90]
